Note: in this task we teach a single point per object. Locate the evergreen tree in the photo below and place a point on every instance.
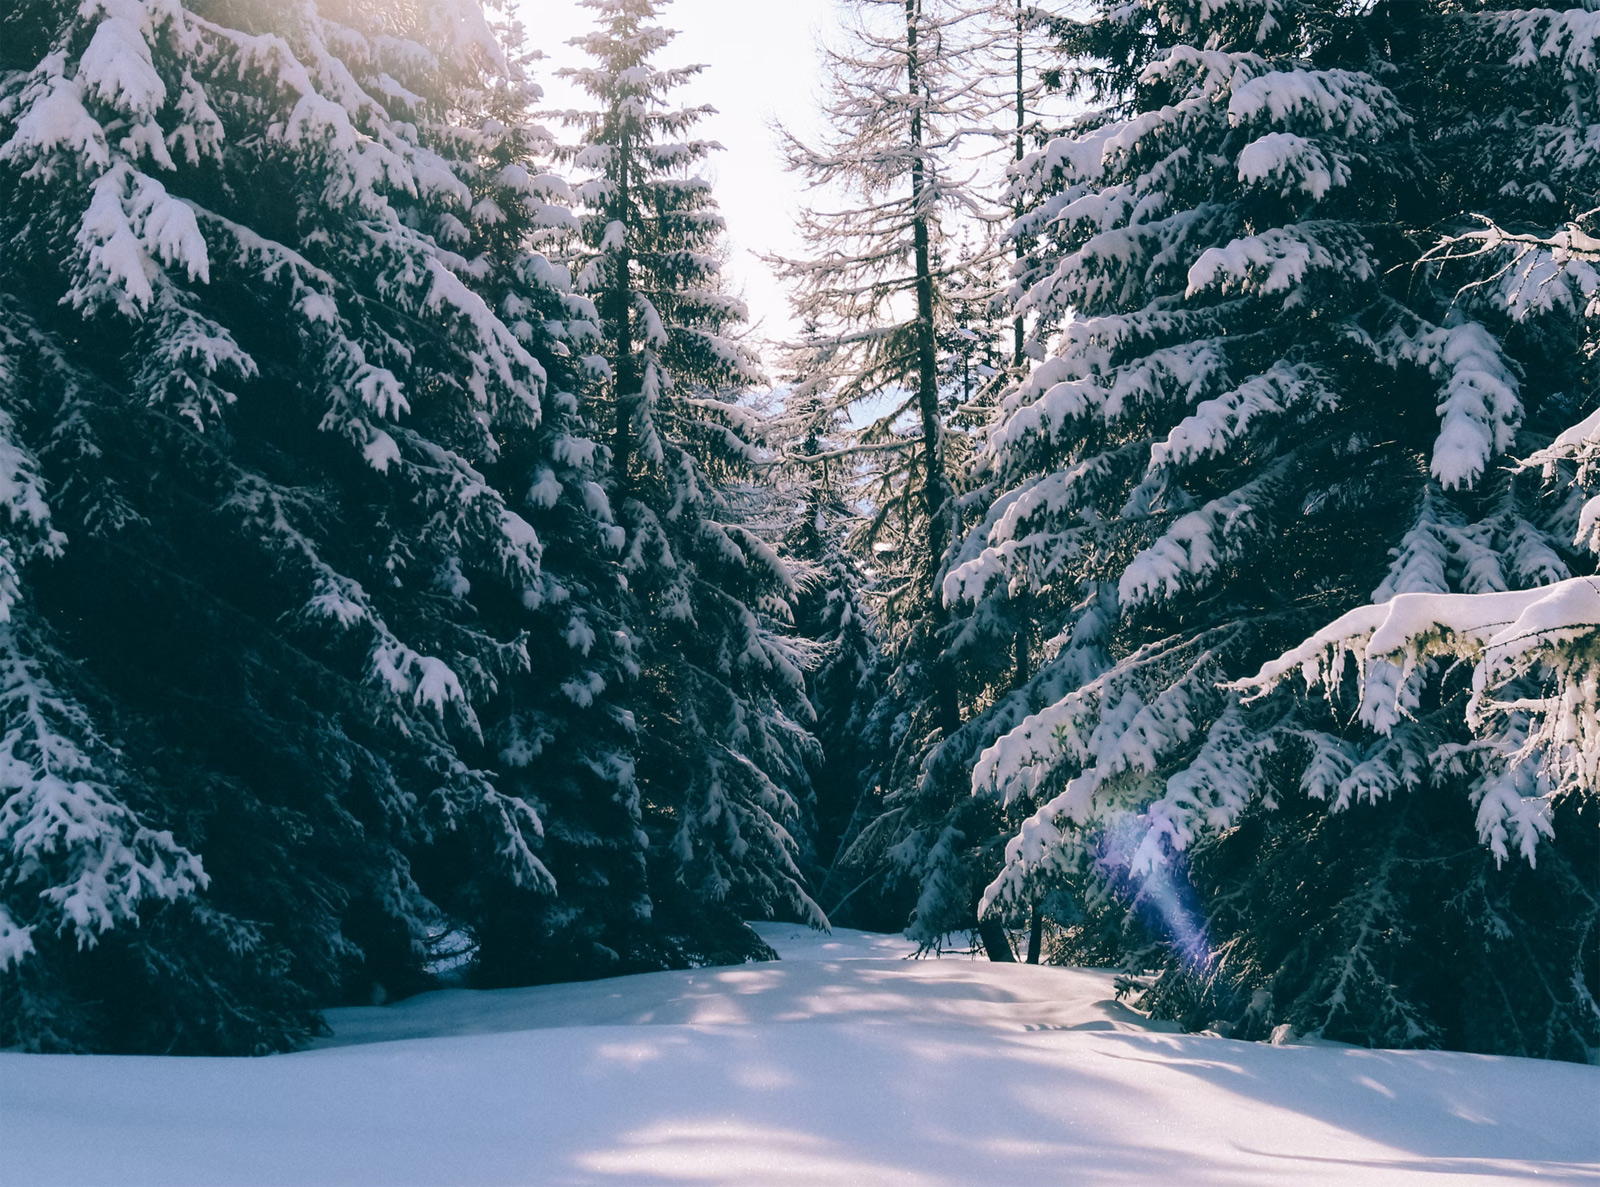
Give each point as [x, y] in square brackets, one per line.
[720, 709]
[268, 330]
[557, 734]
[1262, 406]
[905, 91]
[833, 612]
[911, 100]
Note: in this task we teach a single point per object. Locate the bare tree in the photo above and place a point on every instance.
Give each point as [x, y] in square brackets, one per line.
[909, 97]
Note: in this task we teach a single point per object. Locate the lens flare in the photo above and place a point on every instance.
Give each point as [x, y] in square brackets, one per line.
[1163, 897]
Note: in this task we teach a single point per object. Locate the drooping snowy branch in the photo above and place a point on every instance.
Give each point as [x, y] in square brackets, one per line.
[74, 859]
[1535, 672]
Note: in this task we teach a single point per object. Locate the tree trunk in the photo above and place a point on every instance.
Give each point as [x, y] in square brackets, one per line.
[1022, 651]
[1036, 935]
[1022, 121]
[995, 942]
[625, 384]
[935, 486]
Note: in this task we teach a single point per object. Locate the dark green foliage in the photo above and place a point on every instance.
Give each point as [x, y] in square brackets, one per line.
[722, 720]
[271, 393]
[1414, 937]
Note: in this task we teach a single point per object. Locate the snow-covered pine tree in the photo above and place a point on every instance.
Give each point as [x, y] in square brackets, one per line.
[1527, 259]
[909, 106]
[720, 710]
[1523, 253]
[1258, 410]
[832, 611]
[555, 733]
[252, 370]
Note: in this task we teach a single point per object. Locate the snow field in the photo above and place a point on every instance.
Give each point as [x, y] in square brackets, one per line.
[844, 1064]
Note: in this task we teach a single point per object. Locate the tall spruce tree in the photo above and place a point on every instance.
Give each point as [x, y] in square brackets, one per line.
[721, 715]
[1262, 407]
[905, 90]
[911, 102]
[273, 316]
[833, 610]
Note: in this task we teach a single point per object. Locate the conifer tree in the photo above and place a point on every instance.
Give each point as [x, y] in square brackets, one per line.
[833, 611]
[556, 733]
[273, 317]
[720, 710]
[905, 91]
[911, 100]
[1259, 409]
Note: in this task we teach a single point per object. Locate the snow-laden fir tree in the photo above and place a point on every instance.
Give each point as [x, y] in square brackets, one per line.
[912, 103]
[556, 734]
[720, 711]
[1259, 408]
[1527, 257]
[833, 610]
[273, 313]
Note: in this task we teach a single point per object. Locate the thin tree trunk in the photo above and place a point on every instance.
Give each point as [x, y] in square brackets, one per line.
[1036, 935]
[1023, 649]
[936, 485]
[626, 385]
[1022, 121]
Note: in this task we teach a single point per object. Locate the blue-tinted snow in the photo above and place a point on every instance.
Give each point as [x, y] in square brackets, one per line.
[844, 1064]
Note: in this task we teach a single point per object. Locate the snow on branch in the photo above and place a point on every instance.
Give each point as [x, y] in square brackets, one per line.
[1199, 543]
[1278, 260]
[1217, 424]
[26, 530]
[131, 223]
[1480, 406]
[1352, 105]
[1535, 675]
[1127, 722]
[1293, 163]
[1530, 274]
[68, 844]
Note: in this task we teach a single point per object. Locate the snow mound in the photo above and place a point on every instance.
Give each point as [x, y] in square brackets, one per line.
[847, 977]
[846, 1063]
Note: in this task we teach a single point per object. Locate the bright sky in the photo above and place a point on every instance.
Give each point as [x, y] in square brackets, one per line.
[762, 63]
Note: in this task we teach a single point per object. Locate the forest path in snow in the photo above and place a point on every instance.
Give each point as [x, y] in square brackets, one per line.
[846, 977]
[845, 1064]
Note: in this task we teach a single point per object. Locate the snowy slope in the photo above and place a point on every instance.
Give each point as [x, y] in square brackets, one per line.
[843, 1064]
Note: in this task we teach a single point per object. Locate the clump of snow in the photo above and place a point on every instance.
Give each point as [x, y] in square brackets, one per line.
[1292, 163]
[1480, 406]
[1275, 261]
[1192, 547]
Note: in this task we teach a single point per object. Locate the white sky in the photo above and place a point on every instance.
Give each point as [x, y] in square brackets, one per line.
[762, 63]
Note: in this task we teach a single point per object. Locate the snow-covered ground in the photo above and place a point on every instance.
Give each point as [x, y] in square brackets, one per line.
[843, 1064]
